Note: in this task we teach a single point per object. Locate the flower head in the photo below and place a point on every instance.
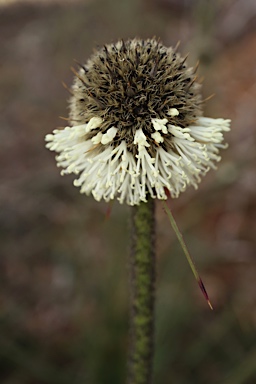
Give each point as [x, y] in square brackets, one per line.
[137, 128]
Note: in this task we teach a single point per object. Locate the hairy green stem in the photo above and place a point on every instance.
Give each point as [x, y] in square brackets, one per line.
[142, 287]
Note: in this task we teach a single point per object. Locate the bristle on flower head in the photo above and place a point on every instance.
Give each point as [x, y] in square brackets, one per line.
[136, 125]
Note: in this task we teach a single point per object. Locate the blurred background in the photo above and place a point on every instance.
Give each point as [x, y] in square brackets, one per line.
[63, 266]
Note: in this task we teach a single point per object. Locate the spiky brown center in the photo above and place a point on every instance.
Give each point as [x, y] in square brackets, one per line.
[129, 83]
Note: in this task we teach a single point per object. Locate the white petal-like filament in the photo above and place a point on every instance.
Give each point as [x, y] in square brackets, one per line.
[109, 171]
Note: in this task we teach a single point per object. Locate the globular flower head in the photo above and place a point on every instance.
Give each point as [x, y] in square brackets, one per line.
[136, 125]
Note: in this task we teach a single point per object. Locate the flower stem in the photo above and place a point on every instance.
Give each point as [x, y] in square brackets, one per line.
[142, 291]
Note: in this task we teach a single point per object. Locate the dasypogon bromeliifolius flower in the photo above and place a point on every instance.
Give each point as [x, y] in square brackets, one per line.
[136, 125]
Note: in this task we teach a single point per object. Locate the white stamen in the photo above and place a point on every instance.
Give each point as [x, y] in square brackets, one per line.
[180, 132]
[157, 137]
[109, 135]
[173, 112]
[160, 124]
[140, 138]
[97, 139]
[95, 122]
[114, 172]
